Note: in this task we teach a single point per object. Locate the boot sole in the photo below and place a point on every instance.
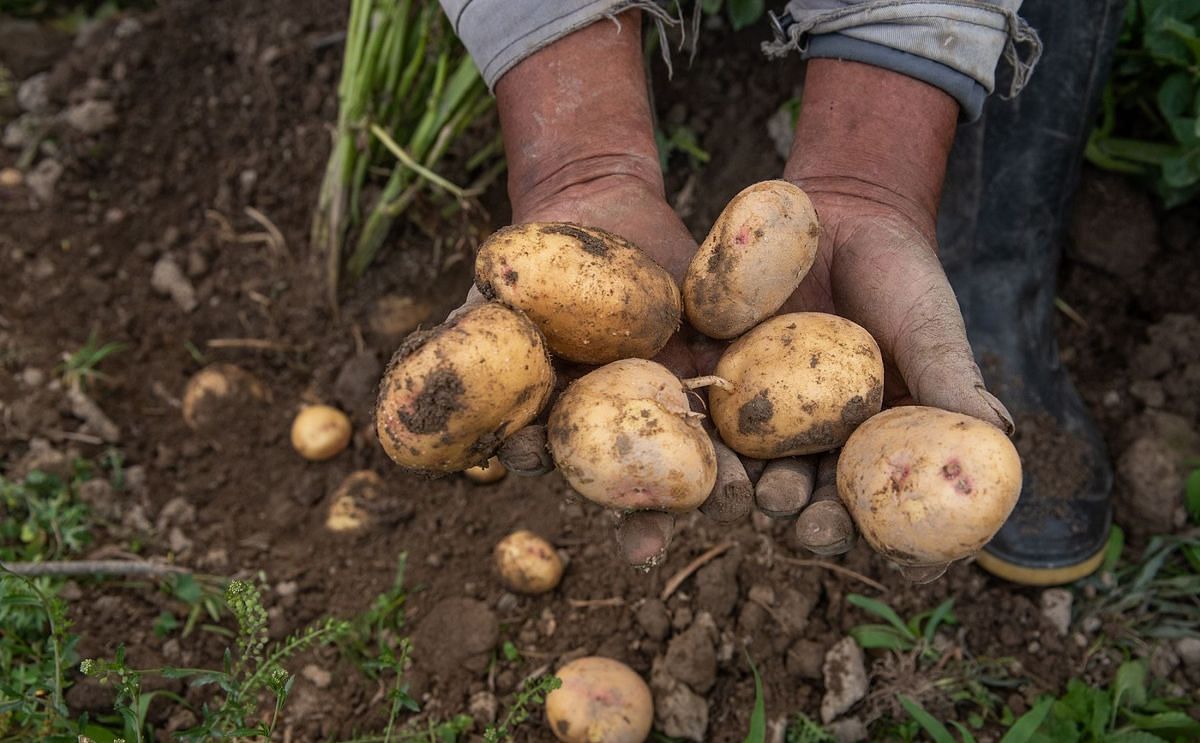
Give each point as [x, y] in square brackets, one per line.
[1027, 576]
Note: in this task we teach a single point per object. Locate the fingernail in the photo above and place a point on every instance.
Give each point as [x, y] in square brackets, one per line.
[998, 408]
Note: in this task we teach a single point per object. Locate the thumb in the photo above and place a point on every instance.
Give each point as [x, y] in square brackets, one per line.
[934, 358]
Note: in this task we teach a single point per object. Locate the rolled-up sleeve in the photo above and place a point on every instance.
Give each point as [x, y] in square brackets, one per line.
[500, 33]
[955, 45]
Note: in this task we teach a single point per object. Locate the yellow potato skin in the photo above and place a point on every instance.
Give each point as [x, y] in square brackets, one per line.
[320, 432]
[527, 563]
[803, 382]
[594, 295]
[757, 253]
[927, 486]
[600, 701]
[450, 395]
[624, 437]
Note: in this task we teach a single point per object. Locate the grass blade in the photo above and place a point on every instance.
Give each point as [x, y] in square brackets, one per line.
[881, 610]
[758, 717]
[1027, 724]
[928, 722]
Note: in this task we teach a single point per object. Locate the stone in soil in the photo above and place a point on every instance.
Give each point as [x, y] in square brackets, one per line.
[692, 655]
[456, 633]
[653, 618]
[1056, 608]
[805, 659]
[717, 587]
[168, 279]
[678, 711]
[845, 679]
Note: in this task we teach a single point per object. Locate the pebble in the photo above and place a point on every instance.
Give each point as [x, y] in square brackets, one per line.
[43, 179]
[1188, 650]
[91, 117]
[678, 711]
[1056, 608]
[32, 377]
[168, 279]
[483, 707]
[34, 94]
[507, 602]
[11, 178]
[318, 676]
[692, 657]
[845, 674]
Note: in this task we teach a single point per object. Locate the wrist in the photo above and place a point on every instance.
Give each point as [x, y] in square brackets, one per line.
[577, 112]
[873, 134]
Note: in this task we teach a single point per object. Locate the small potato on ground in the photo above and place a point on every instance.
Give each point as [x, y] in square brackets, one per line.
[348, 510]
[802, 382]
[527, 563]
[320, 432]
[596, 296]
[218, 395]
[451, 395]
[487, 473]
[624, 437]
[757, 253]
[600, 700]
[927, 486]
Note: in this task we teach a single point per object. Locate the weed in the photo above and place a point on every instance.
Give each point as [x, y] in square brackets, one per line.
[1151, 106]
[804, 729]
[915, 635]
[741, 13]
[679, 139]
[534, 692]
[79, 369]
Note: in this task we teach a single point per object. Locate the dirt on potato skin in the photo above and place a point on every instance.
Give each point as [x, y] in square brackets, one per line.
[226, 105]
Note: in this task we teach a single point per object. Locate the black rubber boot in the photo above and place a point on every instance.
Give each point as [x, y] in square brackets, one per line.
[1004, 212]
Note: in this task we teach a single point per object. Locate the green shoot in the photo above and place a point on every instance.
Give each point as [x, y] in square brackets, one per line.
[79, 369]
[897, 635]
[534, 693]
[758, 716]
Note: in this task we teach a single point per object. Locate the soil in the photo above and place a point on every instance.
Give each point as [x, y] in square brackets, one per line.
[225, 106]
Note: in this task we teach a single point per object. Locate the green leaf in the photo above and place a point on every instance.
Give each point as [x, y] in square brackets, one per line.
[1175, 95]
[943, 613]
[1027, 724]
[1112, 550]
[1129, 686]
[881, 610]
[1133, 736]
[711, 7]
[1174, 724]
[935, 729]
[870, 636]
[967, 736]
[743, 13]
[758, 717]
[1192, 492]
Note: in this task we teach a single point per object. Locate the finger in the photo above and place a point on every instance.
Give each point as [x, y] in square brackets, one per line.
[474, 297]
[754, 468]
[525, 452]
[643, 537]
[824, 527]
[733, 494]
[786, 486]
[901, 295]
[923, 574]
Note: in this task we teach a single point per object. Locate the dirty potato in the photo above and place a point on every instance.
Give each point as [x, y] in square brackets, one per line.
[486, 474]
[802, 382]
[600, 700]
[527, 563]
[452, 394]
[595, 296]
[927, 486]
[624, 437]
[218, 395]
[755, 256]
[349, 510]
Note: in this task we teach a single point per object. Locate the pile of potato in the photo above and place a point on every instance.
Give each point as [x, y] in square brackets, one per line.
[924, 486]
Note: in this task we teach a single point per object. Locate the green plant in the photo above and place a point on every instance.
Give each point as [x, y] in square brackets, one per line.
[679, 139]
[534, 692]
[397, 52]
[79, 369]
[1150, 123]
[741, 13]
[1021, 731]
[251, 667]
[917, 634]
[804, 729]
[758, 713]
[1191, 494]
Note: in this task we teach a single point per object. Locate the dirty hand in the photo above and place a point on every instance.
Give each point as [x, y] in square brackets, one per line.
[872, 161]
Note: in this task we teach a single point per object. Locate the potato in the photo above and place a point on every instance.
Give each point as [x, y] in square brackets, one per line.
[926, 486]
[394, 316]
[320, 432]
[624, 437]
[527, 563]
[218, 395]
[595, 296]
[600, 700]
[487, 473]
[452, 394]
[802, 382]
[755, 256]
[349, 511]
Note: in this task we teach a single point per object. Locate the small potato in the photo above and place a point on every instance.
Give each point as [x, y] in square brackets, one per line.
[393, 316]
[802, 382]
[218, 395]
[755, 256]
[452, 394]
[348, 510]
[527, 563]
[926, 486]
[624, 437]
[320, 432]
[486, 474]
[600, 700]
[595, 296]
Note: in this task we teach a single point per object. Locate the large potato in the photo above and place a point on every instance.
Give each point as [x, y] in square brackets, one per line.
[755, 256]
[451, 394]
[600, 700]
[802, 382]
[595, 296]
[927, 486]
[624, 437]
